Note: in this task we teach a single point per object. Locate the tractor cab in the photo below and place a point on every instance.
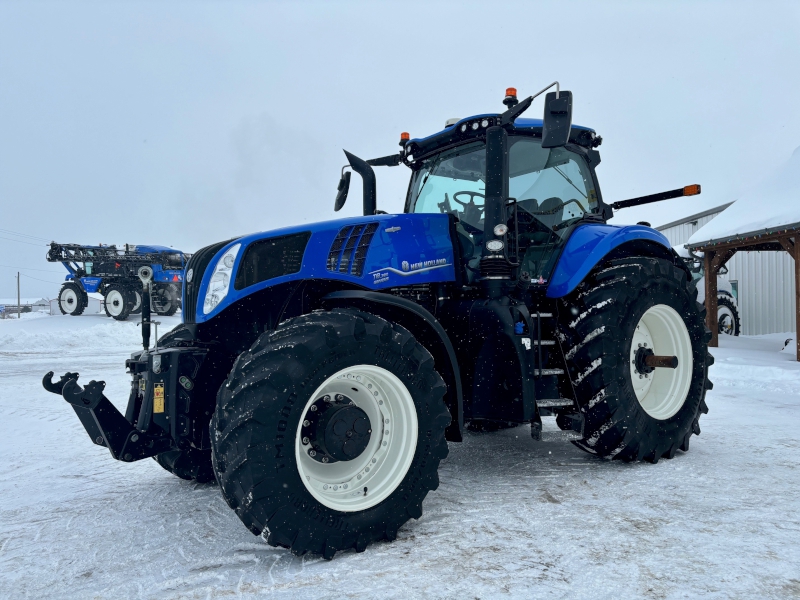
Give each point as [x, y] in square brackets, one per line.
[539, 174]
[550, 189]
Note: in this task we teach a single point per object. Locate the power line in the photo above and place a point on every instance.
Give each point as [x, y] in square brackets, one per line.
[34, 237]
[28, 269]
[34, 278]
[40, 245]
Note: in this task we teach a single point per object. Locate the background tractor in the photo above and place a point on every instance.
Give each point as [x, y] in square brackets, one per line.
[320, 370]
[112, 272]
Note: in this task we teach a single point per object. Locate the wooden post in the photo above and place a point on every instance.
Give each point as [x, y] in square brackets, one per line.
[711, 297]
[797, 292]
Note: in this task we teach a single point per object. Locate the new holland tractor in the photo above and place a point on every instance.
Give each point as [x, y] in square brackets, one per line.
[112, 272]
[321, 370]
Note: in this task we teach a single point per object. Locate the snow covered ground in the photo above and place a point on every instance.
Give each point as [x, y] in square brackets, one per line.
[512, 518]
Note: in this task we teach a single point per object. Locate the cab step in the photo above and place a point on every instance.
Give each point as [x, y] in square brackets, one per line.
[557, 403]
[541, 372]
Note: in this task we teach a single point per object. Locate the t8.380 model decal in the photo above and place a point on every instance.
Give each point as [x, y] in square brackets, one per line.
[381, 275]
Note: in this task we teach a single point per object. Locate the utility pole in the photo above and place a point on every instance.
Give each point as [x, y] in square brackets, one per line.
[19, 303]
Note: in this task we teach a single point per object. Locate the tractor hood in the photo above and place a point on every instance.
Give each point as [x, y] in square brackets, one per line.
[371, 252]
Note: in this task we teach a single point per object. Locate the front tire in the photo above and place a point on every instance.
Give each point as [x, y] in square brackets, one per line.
[628, 307]
[190, 464]
[118, 302]
[72, 300]
[271, 416]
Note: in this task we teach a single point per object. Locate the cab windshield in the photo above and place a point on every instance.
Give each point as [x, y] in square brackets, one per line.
[553, 188]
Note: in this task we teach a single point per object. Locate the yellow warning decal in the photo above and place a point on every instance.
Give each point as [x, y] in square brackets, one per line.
[158, 398]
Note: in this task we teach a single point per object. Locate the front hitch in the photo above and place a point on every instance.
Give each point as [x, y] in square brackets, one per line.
[105, 425]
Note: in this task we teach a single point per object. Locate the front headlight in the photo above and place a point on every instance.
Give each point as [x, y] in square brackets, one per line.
[220, 280]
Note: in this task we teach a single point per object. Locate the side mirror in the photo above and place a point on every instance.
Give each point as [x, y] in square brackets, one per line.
[344, 187]
[557, 119]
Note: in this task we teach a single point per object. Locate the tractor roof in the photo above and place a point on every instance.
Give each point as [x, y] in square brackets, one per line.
[520, 123]
[472, 128]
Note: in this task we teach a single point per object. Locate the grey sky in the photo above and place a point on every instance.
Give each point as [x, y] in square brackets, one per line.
[186, 123]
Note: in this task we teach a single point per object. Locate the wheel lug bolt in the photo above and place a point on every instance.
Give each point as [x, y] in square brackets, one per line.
[344, 486]
[305, 440]
[384, 443]
[306, 423]
[380, 401]
[325, 487]
[314, 408]
[339, 397]
[327, 398]
[312, 453]
[324, 459]
[386, 421]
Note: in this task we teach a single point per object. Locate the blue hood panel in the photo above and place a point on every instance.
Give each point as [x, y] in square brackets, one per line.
[406, 249]
[587, 246]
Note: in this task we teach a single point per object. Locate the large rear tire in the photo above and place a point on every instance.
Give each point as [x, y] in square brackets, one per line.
[626, 308]
[72, 300]
[286, 473]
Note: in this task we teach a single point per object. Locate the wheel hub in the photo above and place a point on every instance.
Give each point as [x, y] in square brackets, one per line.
[641, 354]
[335, 429]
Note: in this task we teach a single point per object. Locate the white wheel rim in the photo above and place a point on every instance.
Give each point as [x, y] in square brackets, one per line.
[69, 300]
[725, 318]
[138, 301]
[662, 392]
[114, 303]
[383, 465]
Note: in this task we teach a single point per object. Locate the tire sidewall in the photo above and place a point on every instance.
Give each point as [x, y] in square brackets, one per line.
[669, 293]
[285, 426]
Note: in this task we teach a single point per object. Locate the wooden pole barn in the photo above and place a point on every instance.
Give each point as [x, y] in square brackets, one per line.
[718, 252]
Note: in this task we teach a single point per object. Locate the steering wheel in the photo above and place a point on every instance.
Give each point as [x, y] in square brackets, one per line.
[471, 201]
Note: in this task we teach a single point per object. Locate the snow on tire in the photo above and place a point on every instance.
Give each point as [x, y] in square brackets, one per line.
[624, 308]
[329, 432]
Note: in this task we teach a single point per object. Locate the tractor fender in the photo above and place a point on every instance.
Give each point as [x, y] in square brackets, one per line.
[589, 244]
[428, 331]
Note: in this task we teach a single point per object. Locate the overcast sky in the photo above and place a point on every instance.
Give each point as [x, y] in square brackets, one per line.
[186, 123]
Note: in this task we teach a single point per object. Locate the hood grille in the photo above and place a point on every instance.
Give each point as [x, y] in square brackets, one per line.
[349, 250]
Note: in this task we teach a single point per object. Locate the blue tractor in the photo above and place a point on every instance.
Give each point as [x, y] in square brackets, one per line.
[112, 272]
[321, 370]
